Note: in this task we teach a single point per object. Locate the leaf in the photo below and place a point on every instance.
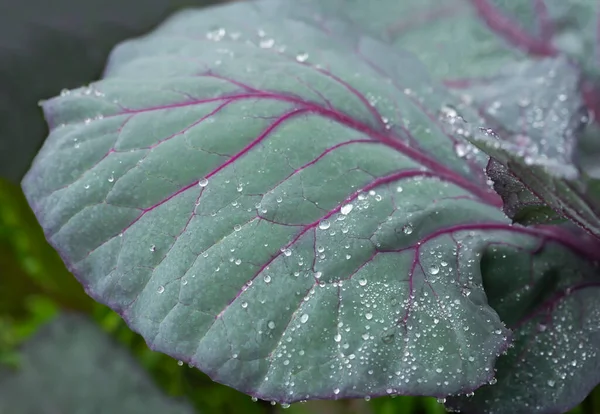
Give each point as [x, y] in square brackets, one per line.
[553, 364]
[46, 47]
[462, 41]
[73, 367]
[280, 207]
[520, 204]
[535, 136]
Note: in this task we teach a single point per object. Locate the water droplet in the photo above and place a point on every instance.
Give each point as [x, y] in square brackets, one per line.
[407, 229]
[369, 316]
[203, 182]
[324, 225]
[153, 248]
[304, 318]
[244, 305]
[434, 270]
[302, 57]
[267, 279]
[267, 43]
[180, 363]
[337, 338]
[346, 209]
[160, 289]
[362, 282]
[271, 325]
[237, 227]
[461, 150]
[111, 179]
[336, 391]
[551, 383]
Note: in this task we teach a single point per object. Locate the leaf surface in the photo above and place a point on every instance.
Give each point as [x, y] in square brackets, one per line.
[537, 118]
[280, 206]
[71, 366]
[553, 364]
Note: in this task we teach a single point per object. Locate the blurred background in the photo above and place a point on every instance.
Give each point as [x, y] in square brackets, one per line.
[50, 360]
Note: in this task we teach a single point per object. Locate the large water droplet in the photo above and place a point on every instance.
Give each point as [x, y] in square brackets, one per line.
[160, 289]
[324, 225]
[203, 182]
[346, 209]
[304, 318]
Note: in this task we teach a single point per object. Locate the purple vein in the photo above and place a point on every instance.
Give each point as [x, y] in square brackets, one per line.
[511, 32]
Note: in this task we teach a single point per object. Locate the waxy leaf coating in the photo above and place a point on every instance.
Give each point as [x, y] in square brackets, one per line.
[295, 212]
[554, 363]
[537, 117]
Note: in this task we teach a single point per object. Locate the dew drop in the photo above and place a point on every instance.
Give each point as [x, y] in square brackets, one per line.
[407, 229]
[267, 43]
[244, 305]
[337, 338]
[302, 57]
[346, 209]
[324, 225]
[271, 325]
[160, 289]
[203, 182]
[153, 248]
[304, 318]
[111, 179]
[434, 270]
[237, 227]
[336, 391]
[362, 282]
[267, 279]
[369, 316]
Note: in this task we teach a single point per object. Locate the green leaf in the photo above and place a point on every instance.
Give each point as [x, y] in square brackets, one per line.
[535, 112]
[71, 366]
[553, 364]
[520, 204]
[281, 207]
